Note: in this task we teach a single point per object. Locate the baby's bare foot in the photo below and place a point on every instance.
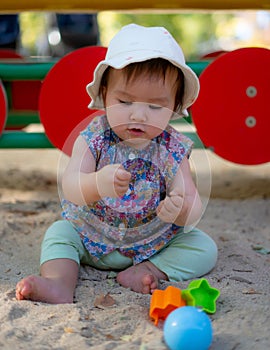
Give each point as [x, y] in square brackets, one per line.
[142, 278]
[37, 288]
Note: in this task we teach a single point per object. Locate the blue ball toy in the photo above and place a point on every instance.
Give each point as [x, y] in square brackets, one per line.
[188, 328]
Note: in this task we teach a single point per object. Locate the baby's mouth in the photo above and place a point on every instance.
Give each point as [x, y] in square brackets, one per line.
[136, 131]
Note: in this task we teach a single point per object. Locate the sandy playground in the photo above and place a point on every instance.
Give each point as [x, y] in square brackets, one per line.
[237, 217]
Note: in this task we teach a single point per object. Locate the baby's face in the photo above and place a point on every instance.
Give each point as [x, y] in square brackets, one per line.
[140, 109]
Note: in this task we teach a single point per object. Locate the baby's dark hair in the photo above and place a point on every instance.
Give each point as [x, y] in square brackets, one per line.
[153, 67]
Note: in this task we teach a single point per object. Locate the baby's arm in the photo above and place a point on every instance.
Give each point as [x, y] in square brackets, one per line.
[82, 184]
[183, 204]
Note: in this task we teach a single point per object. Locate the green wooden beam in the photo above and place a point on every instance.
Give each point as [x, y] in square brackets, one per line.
[21, 139]
[37, 71]
[24, 71]
[18, 118]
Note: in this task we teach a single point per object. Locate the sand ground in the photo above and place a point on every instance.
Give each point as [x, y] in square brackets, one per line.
[237, 217]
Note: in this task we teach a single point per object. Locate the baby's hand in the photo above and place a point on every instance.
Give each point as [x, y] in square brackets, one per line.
[169, 209]
[113, 181]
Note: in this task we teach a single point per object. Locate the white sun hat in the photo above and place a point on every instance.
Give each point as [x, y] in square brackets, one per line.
[134, 43]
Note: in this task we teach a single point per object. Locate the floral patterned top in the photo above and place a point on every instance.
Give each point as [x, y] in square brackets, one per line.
[129, 224]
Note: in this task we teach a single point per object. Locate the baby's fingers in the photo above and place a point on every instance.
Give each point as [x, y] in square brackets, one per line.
[122, 174]
[176, 201]
[121, 181]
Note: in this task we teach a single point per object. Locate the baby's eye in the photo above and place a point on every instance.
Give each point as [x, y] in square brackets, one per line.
[128, 103]
[155, 107]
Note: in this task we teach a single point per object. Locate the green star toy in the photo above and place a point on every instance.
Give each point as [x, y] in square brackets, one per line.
[200, 294]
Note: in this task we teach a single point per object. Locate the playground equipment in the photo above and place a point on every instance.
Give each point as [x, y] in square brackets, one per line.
[62, 97]
[230, 115]
[231, 112]
[63, 100]
[97, 5]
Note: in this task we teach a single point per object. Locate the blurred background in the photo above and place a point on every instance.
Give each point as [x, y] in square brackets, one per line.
[199, 33]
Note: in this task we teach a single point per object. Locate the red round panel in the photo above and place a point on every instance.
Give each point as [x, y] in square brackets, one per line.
[63, 98]
[232, 111]
[3, 108]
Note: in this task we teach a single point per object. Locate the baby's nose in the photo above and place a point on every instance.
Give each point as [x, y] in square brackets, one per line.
[138, 113]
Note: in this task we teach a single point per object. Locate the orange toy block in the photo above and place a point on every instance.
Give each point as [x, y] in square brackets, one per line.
[163, 302]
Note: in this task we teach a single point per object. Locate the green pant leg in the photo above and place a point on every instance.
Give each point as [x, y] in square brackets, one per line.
[188, 255]
[61, 241]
